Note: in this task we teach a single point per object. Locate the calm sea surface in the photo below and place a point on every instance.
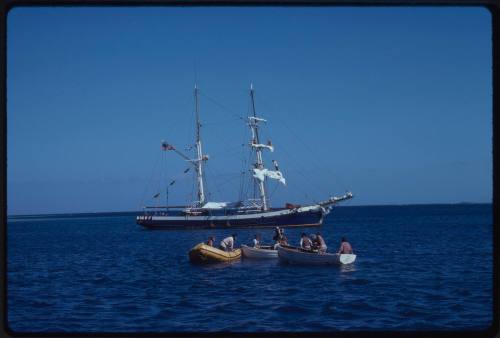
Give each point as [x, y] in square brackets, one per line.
[418, 267]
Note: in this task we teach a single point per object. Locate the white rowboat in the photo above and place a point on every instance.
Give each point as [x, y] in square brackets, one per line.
[259, 253]
[294, 255]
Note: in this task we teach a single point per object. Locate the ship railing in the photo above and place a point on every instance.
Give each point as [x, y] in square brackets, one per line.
[251, 203]
[160, 210]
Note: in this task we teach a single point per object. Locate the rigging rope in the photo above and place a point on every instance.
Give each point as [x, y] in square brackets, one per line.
[214, 179]
[306, 178]
[318, 166]
[274, 190]
[149, 182]
[249, 182]
[244, 164]
[230, 111]
[162, 173]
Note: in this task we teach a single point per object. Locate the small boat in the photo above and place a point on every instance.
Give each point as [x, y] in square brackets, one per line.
[262, 252]
[203, 253]
[294, 255]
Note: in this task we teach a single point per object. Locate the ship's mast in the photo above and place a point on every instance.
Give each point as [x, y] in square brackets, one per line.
[200, 158]
[258, 150]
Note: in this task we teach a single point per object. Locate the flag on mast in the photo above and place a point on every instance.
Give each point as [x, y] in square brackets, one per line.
[166, 146]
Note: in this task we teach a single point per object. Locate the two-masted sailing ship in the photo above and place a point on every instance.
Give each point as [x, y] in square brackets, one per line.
[251, 212]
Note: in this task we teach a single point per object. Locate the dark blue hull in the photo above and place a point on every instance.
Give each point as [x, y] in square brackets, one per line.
[261, 219]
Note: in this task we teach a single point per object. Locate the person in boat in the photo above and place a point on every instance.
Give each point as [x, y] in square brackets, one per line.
[320, 243]
[277, 234]
[305, 242]
[227, 244]
[345, 247]
[276, 237]
[312, 237]
[283, 240]
[256, 241]
[210, 241]
[279, 237]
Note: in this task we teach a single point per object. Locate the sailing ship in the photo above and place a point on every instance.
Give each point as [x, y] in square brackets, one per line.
[251, 212]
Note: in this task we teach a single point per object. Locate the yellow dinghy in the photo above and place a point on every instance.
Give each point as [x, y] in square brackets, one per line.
[203, 253]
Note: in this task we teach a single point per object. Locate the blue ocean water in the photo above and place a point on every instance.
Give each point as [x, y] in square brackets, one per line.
[426, 267]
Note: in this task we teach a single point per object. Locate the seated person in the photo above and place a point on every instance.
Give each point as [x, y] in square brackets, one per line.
[320, 242]
[210, 241]
[305, 242]
[314, 242]
[345, 247]
[277, 234]
[279, 237]
[256, 241]
[283, 240]
[227, 244]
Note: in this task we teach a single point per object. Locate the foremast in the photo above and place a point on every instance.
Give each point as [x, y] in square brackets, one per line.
[198, 162]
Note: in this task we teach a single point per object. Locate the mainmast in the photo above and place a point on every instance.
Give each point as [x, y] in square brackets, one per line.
[200, 158]
[258, 150]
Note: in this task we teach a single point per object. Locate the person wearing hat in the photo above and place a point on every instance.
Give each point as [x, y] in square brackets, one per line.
[227, 244]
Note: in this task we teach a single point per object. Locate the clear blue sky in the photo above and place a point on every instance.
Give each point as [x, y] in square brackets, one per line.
[394, 104]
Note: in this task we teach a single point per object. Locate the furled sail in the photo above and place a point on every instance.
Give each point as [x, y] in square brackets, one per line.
[267, 146]
[260, 174]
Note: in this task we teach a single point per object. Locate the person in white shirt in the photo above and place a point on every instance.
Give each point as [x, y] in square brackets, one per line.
[227, 244]
[256, 241]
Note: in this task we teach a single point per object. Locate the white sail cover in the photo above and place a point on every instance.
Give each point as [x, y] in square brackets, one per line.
[214, 205]
[258, 145]
[274, 174]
